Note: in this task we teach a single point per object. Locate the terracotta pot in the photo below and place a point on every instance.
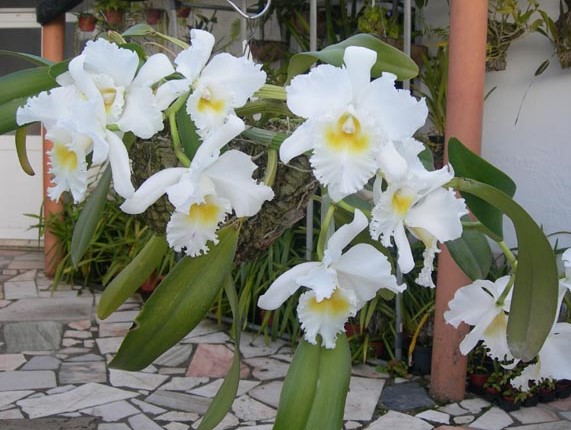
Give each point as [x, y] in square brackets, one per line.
[86, 22]
[531, 401]
[183, 12]
[151, 283]
[113, 17]
[153, 16]
[546, 395]
[477, 381]
[508, 404]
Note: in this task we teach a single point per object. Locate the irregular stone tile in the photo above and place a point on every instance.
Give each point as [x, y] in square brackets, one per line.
[184, 383]
[71, 342]
[29, 275]
[463, 419]
[474, 405]
[59, 294]
[212, 338]
[283, 357]
[534, 415]
[172, 371]
[494, 419]
[72, 350]
[61, 389]
[78, 334]
[9, 272]
[114, 329]
[176, 426]
[265, 368]
[179, 401]
[27, 380]
[362, 398]
[367, 372]
[20, 290]
[114, 426]
[255, 346]
[4, 303]
[434, 416]
[109, 345]
[178, 416]
[82, 397]
[260, 427]
[137, 380]
[11, 414]
[147, 407]
[35, 336]
[268, 393]
[80, 325]
[53, 309]
[11, 361]
[88, 343]
[248, 409]
[453, 409]
[150, 369]
[86, 357]
[559, 425]
[175, 356]
[350, 425]
[9, 397]
[406, 397]
[204, 327]
[112, 411]
[562, 404]
[211, 389]
[229, 421]
[42, 363]
[398, 421]
[25, 265]
[213, 361]
[119, 316]
[68, 422]
[82, 372]
[565, 415]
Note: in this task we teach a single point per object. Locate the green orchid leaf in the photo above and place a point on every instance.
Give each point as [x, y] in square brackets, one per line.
[269, 138]
[469, 165]
[139, 30]
[8, 115]
[25, 83]
[89, 217]
[272, 107]
[334, 376]
[389, 58]
[300, 385]
[187, 132]
[225, 396]
[30, 58]
[21, 151]
[472, 253]
[131, 277]
[534, 300]
[178, 305]
[59, 68]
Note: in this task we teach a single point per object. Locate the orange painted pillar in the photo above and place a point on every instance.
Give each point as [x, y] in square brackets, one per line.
[53, 39]
[464, 107]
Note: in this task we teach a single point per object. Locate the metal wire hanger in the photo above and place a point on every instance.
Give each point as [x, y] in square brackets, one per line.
[245, 15]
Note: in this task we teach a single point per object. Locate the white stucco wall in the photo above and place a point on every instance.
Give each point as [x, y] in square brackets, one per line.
[535, 151]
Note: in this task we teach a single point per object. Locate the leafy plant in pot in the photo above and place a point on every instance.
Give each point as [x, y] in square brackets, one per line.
[559, 33]
[153, 15]
[512, 399]
[86, 21]
[546, 390]
[478, 369]
[112, 11]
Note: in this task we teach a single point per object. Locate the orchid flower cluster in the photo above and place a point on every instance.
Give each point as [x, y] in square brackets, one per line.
[485, 305]
[358, 132]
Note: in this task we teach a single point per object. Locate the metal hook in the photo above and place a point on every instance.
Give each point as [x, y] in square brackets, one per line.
[245, 15]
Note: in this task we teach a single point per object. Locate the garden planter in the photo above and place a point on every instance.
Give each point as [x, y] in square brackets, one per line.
[508, 404]
[86, 22]
[267, 51]
[183, 12]
[563, 389]
[153, 16]
[546, 395]
[477, 381]
[531, 401]
[113, 17]
[421, 360]
[491, 394]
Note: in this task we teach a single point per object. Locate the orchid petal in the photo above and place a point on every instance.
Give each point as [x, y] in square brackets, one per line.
[477, 334]
[495, 338]
[170, 91]
[554, 356]
[344, 236]
[322, 280]
[405, 257]
[210, 148]
[155, 68]
[300, 141]
[152, 189]
[191, 61]
[120, 166]
[284, 286]
[392, 164]
[324, 90]
[470, 303]
[365, 270]
[232, 177]
[140, 115]
[239, 75]
[109, 59]
[359, 62]
[46, 107]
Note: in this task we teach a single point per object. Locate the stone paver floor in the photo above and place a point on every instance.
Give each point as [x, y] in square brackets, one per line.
[53, 366]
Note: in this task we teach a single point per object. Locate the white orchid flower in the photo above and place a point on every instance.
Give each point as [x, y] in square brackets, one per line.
[477, 305]
[218, 86]
[419, 204]
[213, 186]
[553, 360]
[352, 124]
[338, 286]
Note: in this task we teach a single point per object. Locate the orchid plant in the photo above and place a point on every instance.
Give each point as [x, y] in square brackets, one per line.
[358, 131]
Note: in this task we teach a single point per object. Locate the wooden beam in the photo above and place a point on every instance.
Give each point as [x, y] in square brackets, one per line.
[464, 107]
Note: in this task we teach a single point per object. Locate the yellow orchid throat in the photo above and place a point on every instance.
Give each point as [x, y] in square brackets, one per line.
[402, 202]
[64, 157]
[109, 95]
[337, 304]
[346, 135]
[207, 213]
[209, 103]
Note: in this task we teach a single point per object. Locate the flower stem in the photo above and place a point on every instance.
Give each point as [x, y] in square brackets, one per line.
[271, 167]
[324, 231]
[513, 263]
[171, 115]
